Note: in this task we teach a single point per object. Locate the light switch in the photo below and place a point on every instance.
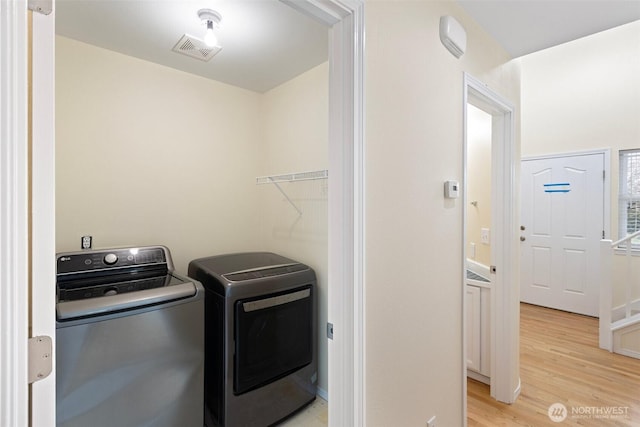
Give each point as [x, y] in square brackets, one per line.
[484, 236]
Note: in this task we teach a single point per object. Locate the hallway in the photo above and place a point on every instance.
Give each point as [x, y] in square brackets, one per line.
[560, 362]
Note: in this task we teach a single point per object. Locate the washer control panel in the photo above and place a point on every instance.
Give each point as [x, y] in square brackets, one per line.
[110, 258]
[85, 261]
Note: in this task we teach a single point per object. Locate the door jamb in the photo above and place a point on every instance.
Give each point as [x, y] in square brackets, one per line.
[346, 350]
[43, 248]
[14, 233]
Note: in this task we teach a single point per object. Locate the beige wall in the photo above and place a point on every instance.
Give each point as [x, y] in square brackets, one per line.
[592, 102]
[295, 124]
[414, 104]
[478, 182]
[146, 154]
[294, 139]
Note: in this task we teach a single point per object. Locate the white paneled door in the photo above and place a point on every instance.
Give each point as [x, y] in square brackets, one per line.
[562, 224]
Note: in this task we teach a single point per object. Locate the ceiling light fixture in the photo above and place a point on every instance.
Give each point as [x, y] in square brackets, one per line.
[211, 19]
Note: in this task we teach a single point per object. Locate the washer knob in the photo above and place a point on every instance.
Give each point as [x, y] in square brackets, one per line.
[110, 259]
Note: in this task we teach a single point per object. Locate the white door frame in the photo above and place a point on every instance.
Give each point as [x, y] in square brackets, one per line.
[345, 19]
[14, 234]
[346, 209]
[19, 244]
[505, 289]
[43, 205]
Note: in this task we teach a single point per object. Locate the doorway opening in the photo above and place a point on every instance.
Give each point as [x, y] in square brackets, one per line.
[346, 23]
[500, 291]
[478, 243]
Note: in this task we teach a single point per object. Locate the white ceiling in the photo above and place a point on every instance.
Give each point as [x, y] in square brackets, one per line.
[527, 26]
[266, 43]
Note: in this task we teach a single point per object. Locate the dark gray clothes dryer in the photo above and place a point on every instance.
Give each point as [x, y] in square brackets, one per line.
[260, 337]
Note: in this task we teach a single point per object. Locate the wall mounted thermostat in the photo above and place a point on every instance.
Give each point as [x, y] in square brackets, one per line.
[451, 189]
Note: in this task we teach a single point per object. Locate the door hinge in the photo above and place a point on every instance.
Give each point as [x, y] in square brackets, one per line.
[602, 234]
[44, 7]
[330, 330]
[603, 175]
[40, 358]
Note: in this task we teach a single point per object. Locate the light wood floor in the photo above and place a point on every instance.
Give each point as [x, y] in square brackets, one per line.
[314, 415]
[560, 362]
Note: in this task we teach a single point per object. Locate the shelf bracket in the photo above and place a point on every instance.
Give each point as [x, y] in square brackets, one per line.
[285, 196]
[292, 177]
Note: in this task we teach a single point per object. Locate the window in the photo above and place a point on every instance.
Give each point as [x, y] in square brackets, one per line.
[629, 195]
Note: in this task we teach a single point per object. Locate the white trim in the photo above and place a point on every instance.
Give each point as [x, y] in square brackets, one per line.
[505, 309]
[328, 12]
[464, 252]
[625, 322]
[359, 279]
[346, 352]
[604, 321]
[622, 251]
[43, 392]
[630, 328]
[606, 151]
[13, 214]
[478, 377]
[618, 312]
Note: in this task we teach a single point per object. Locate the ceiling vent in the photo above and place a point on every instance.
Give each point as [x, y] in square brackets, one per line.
[195, 48]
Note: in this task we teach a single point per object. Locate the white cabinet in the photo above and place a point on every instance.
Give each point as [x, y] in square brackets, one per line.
[477, 330]
[472, 295]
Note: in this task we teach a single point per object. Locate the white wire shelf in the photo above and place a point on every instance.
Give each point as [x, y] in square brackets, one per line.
[292, 177]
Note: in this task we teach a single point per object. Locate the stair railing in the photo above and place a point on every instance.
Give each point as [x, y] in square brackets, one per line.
[607, 251]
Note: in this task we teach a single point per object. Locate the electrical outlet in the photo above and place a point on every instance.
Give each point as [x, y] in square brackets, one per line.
[86, 242]
[432, 422]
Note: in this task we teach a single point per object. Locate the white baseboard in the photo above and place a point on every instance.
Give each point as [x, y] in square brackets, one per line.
[322, 393]
[478, 376]
[518, 389]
